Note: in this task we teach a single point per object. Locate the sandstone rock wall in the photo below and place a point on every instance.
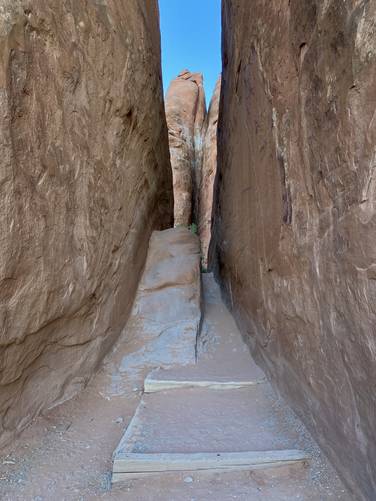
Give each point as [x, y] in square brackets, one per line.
[85, 177]
[296, 210]
[208, 169]
[185, 113]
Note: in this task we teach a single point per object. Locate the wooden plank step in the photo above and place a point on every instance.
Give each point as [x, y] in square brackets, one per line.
[133, 465]
[152, 385]
[123, 477]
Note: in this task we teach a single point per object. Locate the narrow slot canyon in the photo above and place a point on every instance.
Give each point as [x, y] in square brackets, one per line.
[187, 262]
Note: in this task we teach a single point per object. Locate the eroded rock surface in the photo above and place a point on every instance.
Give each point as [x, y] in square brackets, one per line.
[165, 319]
[207, 174]
[296, 210]
[85, 178]
[185, 113]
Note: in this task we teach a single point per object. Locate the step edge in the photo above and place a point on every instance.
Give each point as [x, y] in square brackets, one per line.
[136, 462]
[155, 385]
[123, 476]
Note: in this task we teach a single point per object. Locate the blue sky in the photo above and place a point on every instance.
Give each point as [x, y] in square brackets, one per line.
[191, 38]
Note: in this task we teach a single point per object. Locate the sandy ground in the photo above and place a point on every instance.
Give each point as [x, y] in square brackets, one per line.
[67, 454]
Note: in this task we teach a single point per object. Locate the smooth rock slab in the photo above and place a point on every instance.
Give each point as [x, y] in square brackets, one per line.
[166, 314]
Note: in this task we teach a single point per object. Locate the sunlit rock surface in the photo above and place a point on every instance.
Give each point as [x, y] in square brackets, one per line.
[185, 113]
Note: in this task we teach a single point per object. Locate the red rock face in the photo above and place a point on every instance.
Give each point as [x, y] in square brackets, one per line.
[295, 223]
[207, 173]
[185, 113]
[85, 178]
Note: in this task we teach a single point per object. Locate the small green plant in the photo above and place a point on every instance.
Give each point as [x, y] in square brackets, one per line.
[204, 268]
[193, 228]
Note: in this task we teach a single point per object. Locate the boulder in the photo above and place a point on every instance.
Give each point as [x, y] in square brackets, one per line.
[185, 113]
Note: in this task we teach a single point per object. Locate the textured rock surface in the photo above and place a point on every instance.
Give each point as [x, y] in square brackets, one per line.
[296, 210]
[166, 314]
[84, 180]
[185, 113]
[207, 174]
